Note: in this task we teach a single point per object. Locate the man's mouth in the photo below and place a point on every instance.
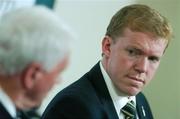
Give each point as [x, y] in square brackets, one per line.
[137, 79]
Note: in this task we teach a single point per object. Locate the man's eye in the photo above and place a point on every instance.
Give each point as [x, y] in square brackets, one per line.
[132, 52]
[154, 59]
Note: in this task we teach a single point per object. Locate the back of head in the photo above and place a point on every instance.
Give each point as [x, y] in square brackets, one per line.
[139, 18]
[34, 34]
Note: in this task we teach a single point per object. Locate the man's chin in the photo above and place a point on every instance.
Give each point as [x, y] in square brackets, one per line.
[132, 91]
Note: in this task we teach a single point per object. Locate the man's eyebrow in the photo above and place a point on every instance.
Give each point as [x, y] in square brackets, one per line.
[136, 49]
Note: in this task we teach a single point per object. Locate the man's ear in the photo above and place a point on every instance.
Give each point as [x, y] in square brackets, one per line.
[30, 74]
[106, 43]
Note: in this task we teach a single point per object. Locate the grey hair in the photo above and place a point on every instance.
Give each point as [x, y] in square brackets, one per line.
[33, 34]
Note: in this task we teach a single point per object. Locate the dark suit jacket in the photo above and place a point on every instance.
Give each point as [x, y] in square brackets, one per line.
[3, 113]
[88, 98]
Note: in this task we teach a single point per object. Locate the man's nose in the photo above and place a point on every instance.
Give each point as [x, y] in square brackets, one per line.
[141, 65]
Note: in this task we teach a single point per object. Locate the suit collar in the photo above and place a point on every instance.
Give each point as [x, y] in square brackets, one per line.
[100, 86]
[7, 103]
[4, 113]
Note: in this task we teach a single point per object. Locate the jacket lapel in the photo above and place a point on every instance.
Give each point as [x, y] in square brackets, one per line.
[141, 111]
[100, 86]
[140, 108]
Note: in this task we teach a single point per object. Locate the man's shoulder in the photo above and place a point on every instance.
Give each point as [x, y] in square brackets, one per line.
[81, 91]
[79, 99]
[84, 85]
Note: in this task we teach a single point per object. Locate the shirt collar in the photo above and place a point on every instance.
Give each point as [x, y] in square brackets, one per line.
[7, 103]
[119, 101]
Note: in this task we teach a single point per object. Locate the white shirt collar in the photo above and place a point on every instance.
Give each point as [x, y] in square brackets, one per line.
[118, 100]
[7, 103]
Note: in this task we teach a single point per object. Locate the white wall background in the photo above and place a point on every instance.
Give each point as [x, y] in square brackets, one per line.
[89, 19]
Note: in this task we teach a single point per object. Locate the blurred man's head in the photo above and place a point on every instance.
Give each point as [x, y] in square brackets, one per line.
[33, 51]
